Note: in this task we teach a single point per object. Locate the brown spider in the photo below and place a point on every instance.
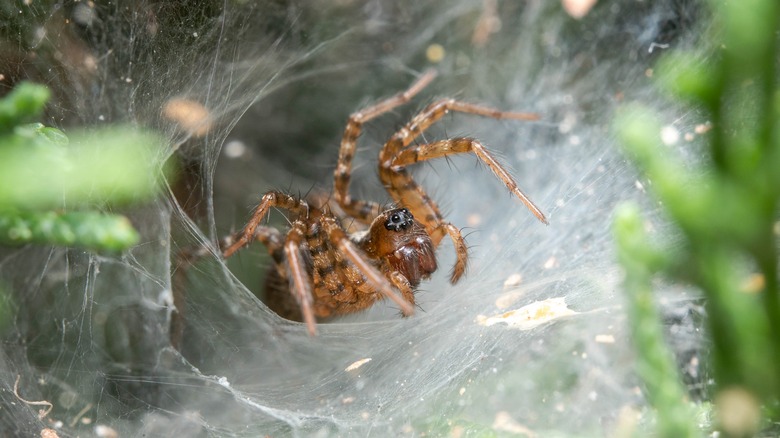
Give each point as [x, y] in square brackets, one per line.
[331, 272]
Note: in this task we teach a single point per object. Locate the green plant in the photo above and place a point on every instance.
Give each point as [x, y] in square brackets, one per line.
[50, 185]
[725, 212]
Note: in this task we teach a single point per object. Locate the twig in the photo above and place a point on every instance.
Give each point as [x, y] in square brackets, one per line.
[41, 413]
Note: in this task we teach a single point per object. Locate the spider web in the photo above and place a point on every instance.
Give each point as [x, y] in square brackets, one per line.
[90, 333]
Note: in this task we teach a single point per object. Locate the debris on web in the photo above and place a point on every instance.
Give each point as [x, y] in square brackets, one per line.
[530, 316]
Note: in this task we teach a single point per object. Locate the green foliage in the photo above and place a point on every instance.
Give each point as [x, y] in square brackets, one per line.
[45, 176]
[656, 366]
[112, 164]
[83, 228]
[725, 211]
[24, 103]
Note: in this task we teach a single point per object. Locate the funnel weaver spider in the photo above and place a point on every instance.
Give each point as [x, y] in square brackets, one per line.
[331, 272]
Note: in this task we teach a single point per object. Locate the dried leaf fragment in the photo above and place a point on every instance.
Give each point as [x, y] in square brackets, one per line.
[357, 364]
[531, 315]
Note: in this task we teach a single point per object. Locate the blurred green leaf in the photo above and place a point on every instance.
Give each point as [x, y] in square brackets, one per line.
[688, 76]
[655, 365]
[90, 230]
[43, 172]
[53, 135]
[23, 103]
[117, 165]
[747, 24]
[725, 207]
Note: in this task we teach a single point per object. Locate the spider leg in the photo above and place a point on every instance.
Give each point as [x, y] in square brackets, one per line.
[402, 283]
[394, 157]
[269, 200]
[433, 113]
[301, 285]
[444, 148]
[365, 211]
[270, 237]
[352, 253]
[461, 249]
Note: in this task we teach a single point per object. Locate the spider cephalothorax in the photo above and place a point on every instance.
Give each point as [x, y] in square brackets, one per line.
[396, 239]
[331, 272]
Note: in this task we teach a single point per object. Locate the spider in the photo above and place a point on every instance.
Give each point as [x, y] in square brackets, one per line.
[330, 271]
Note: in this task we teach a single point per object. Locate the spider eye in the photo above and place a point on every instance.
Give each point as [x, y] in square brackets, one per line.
[399, 220]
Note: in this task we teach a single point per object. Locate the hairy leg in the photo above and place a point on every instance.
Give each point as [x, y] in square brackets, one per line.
[396, 155]
[300, 285]
[444, 148]
[365, 211]
[271, 199]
